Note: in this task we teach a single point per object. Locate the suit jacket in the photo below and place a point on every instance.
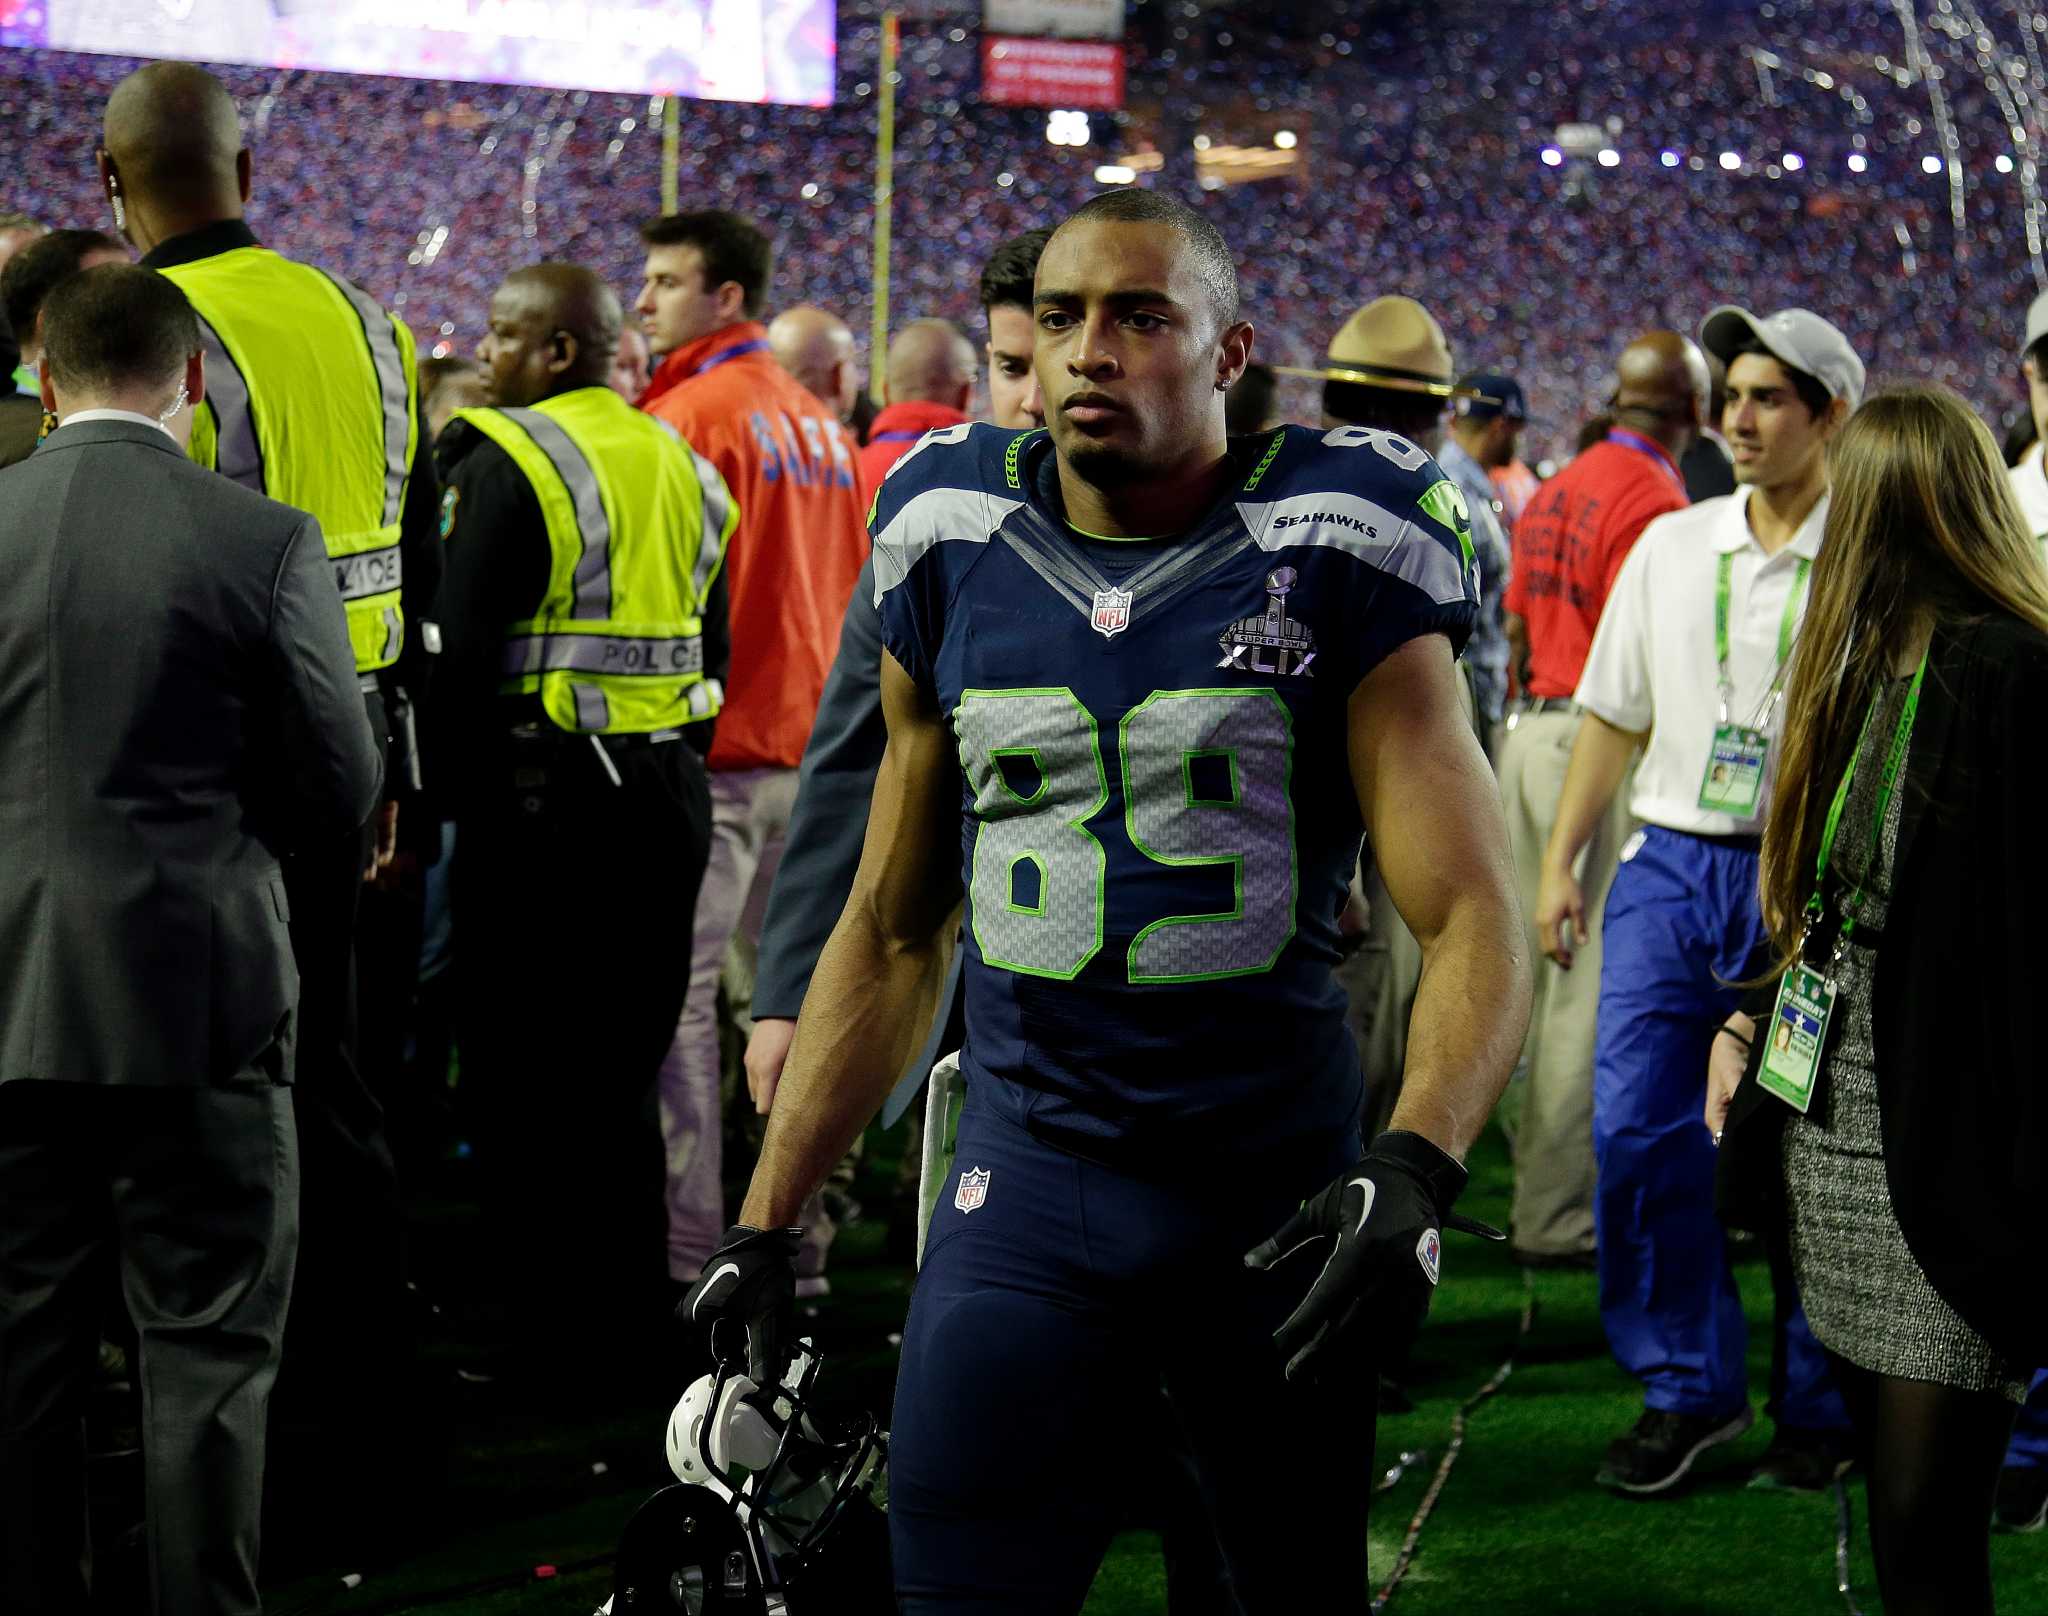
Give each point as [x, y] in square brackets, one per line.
[178, 705]
[835, 788]
[1962, 1043]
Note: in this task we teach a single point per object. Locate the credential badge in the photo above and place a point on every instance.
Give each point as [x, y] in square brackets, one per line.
[973, 1189]
[1112, 614]
[1270, 641]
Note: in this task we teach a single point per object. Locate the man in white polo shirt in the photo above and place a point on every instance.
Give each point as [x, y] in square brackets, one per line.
[2030, 476]
[1690, 658]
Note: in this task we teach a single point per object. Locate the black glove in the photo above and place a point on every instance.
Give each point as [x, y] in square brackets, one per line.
[742, 1303]
[1381, 1223]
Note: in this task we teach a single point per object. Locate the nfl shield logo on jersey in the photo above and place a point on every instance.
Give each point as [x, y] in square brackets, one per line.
[1429, 1252]
[973, 1188]
[1112, 613]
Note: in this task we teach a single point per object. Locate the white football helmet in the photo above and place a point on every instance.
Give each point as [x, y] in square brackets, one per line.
[778, 1509]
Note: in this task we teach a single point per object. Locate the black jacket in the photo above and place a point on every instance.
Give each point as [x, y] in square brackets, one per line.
[1961, 1019]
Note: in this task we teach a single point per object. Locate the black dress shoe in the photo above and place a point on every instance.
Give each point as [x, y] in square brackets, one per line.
[1802, 1461]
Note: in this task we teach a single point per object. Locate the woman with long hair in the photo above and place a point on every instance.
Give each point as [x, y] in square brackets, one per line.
[1891, 1105]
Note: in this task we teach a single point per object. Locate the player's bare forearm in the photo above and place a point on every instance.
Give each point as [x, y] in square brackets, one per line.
[1471, 1014]
[877, 985]
[1433, 812]
[1600, 758]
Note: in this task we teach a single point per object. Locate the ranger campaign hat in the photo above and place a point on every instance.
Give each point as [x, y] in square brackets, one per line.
[1486, 395]
[1395, 343]
[1796, 337]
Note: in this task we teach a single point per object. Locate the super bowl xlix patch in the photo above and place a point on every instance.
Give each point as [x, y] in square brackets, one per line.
[1270, 641]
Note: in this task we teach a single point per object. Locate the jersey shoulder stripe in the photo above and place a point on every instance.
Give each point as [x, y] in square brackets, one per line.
[958, 483]
[1371, 494]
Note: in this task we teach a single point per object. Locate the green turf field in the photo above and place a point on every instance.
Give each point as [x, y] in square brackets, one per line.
[1519, 1528]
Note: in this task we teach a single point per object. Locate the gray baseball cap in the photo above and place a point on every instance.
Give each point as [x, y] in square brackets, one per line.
[2037, 321]
[1798, 337]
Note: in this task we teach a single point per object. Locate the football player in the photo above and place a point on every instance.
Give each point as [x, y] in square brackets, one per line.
[1145, 685]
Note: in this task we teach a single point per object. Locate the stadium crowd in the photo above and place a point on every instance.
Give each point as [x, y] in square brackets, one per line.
[1420, 169]
[1443, 263]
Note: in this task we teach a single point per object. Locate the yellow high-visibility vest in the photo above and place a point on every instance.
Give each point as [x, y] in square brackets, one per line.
[637, 526]
[312, 397]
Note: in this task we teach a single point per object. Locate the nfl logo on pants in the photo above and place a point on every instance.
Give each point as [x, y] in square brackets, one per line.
[973, 1189]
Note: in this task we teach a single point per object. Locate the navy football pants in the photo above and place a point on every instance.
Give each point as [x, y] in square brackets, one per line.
[1682, 923]
[1042, 1330]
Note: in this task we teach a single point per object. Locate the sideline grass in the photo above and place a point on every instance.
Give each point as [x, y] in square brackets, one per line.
[1519, 1529]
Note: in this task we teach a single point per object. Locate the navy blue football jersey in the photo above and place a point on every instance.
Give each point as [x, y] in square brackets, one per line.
[1158, 820]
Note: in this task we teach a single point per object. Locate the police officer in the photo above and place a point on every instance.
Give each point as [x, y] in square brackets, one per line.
[311, 400]
[585, 645]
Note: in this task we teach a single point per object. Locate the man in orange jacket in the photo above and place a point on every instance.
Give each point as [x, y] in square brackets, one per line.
[790, 568]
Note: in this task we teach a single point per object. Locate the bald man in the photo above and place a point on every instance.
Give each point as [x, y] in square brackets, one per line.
[817, 349]
[928, 385]
[1569, 543]
[17, 230]
[312, 400]
[584, 649]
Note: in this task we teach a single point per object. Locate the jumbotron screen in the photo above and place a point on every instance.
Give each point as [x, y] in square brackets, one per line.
[720, 50]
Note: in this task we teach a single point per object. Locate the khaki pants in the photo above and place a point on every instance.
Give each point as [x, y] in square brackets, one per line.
[1379, 983]
[750, 811]
[1553, 1205]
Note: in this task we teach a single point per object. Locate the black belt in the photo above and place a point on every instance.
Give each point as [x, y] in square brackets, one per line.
[1735, 843]
[547, 735]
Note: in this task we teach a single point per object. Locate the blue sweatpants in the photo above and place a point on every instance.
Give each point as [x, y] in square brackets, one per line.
[2028, 1449]
[1682, 923]
[1045, 1326]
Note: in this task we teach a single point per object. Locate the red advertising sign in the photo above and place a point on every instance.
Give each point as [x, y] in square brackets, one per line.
[1051, 73]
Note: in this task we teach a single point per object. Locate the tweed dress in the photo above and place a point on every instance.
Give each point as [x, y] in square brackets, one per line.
[1866, 1295]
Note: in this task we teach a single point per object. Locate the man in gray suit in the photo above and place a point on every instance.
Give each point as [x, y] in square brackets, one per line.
[178, 704]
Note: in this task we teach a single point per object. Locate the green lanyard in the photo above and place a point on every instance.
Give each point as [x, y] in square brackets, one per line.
[1793, 598]
[1894, 757]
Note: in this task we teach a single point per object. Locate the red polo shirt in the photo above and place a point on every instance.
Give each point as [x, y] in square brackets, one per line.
[1571, 540]
[895, 432]
[801, 540]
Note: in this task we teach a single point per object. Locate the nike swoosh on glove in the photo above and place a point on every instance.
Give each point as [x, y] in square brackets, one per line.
[1378, 1226]
[742, 1304]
